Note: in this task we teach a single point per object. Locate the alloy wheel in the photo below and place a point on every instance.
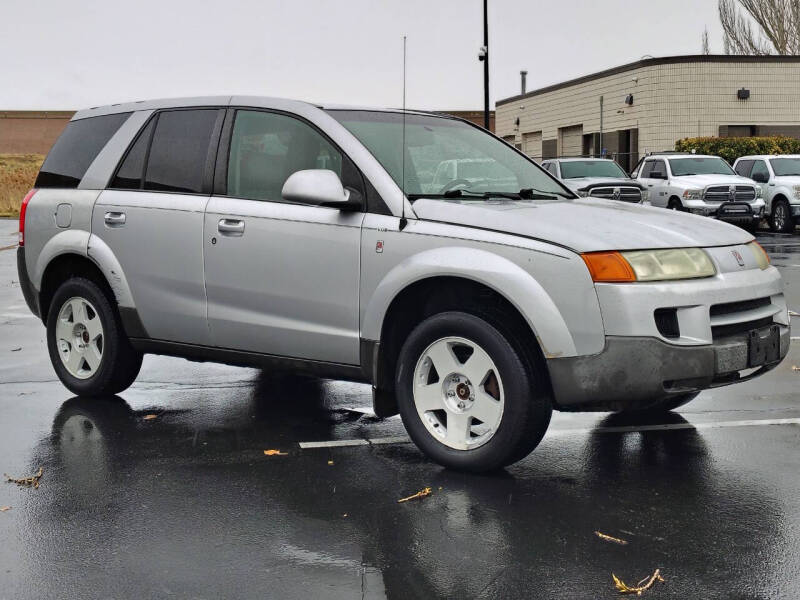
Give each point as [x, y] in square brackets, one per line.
[79, 337]
[458, 393]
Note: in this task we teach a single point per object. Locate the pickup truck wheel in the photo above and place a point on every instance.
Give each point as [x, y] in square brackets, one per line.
[781, 220]
[665, 405]
[466, 396]
[676, 204]
[88, 347]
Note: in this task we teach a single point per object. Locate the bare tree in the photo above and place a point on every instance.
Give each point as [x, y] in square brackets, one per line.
[760, 26]
[706, 49]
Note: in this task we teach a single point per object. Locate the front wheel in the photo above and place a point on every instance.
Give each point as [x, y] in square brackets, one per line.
[466, 395]
[781, 220]
[88, 348]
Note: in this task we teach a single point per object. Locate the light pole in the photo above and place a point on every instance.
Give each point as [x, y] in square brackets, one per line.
[483, 55]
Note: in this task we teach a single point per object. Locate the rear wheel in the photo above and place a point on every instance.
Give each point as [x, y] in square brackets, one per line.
[781, 220]
[88, 347]
[466, 396]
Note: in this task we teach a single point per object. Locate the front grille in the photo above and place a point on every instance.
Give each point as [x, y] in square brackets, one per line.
[723, 331]
[751, 313]
[622, 193]
[734, 307]
[722, 193]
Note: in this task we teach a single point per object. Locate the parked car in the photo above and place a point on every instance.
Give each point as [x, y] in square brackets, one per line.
[275, 233]
[701, 185]
[779, 180]
[596, 177]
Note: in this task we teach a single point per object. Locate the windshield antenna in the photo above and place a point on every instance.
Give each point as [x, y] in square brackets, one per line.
[403, 220]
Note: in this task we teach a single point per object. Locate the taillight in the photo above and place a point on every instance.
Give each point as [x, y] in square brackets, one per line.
[22, 210]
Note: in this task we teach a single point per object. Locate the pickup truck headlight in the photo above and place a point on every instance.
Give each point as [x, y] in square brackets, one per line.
[797, 191]
[693, 195]
[759, 192]
[645, 195]
[649, 265]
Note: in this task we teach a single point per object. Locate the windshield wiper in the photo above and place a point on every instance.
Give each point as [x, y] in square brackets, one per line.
[524, 194]
[534, 194]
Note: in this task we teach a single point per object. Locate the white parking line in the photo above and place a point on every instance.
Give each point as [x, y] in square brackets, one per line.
[583, 430]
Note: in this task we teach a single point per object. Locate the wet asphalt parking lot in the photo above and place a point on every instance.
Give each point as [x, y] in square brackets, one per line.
[165, 490]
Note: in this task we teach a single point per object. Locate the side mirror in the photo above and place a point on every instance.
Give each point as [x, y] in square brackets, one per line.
[318, 186]
[760, 177]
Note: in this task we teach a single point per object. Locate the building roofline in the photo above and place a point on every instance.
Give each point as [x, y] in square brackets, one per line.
[652, 62]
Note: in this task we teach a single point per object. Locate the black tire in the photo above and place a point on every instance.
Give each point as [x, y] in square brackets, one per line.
[119, 363]
[664, 406]
[527, 405]
[778, 224]
[676, 204]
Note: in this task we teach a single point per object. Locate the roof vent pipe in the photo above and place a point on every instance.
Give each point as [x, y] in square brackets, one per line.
[523, 76]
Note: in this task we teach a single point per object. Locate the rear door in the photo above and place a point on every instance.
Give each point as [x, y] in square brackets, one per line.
[152, 219]
[281, 278]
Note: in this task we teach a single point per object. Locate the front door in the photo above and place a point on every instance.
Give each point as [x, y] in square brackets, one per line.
[152, 219]
[654, 176]
[281, 278]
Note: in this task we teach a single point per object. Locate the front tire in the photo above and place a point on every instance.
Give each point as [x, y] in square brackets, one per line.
[466, 395]
[781, 220]
[88, 348]
[676, 204]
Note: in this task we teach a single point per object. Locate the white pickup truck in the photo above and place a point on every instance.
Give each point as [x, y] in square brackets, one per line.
[779, 179]
[702, 185]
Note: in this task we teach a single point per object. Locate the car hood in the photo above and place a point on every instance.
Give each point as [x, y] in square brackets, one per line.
[579, 183]
[790, 180]
[702, 181]
[586, 225]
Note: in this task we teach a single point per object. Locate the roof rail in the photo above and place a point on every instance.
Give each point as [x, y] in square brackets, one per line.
[668, 152]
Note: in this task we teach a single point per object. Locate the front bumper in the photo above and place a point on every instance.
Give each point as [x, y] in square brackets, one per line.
[740, 213]
[638, 372]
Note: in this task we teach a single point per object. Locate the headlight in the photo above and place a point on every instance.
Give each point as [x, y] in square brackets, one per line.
[797, 191]
[761, 256]
[693, 195]
[646, 195]
[759, 192]
[649, 265]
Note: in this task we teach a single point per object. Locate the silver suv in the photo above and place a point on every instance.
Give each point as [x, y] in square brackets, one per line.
[280, 234]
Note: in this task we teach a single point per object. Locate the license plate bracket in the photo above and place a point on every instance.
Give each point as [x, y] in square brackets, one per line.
[764, 350]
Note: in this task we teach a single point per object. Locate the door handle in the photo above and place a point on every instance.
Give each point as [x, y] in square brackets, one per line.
[114, 219]
[232, 227]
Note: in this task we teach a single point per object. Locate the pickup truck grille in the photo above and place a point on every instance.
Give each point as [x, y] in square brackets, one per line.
[733, 318]
[722, 193]
[625, 193]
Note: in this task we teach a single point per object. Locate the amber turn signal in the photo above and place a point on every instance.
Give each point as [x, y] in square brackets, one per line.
[608, 267]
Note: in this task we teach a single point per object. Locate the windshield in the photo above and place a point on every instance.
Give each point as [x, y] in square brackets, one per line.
[785, 166]
[699, 165]
[443, 155]
[591, 168]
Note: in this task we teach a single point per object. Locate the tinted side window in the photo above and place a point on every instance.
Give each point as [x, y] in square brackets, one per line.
[760, 168]
[131, 172]
[266, 148]
[76, 148]
[179, 150]
[647, 168]
[743, 167]
[658, 168]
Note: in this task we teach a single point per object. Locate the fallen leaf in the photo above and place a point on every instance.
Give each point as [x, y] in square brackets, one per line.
[795, 368]
[609, 538]
[330, 462]
[275, 453]
[150, 417]
[624, 588]
[345, 515]
[4, 508]
[420, 494]
[16, 349]
[32, 481]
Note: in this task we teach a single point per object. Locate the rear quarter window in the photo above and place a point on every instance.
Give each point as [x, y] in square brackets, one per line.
[76, 148]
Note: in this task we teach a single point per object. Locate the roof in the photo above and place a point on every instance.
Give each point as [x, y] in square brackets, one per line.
[227, 100]
[679, 155]
[581, 158]
[767, 156]
[652, 62]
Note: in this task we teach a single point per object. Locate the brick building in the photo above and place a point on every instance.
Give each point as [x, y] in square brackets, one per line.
[647, 105]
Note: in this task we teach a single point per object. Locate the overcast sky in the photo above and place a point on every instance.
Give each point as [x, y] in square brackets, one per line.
[65, 54]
